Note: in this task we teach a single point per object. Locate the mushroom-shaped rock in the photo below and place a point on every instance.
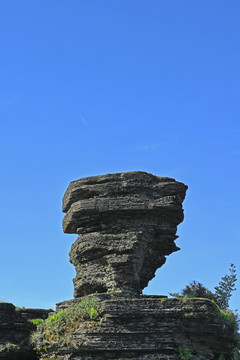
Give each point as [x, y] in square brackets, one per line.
[126, 225]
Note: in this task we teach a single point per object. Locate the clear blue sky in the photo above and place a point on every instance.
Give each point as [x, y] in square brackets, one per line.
[89, 87]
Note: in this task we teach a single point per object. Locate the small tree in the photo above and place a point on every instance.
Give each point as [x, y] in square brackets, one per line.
[223, 291]
[195, 290]
[226, 286]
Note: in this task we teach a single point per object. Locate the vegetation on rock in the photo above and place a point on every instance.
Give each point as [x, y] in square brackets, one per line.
[195, 290]
[234, 355]
[230, 316]
[184, 353]
[222, 295]
[36, 321]
[9, 346]
[58, 329]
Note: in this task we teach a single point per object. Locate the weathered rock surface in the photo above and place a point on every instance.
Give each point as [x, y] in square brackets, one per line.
[32, 313]
[127, 224]
[148, 328]
[15, 330]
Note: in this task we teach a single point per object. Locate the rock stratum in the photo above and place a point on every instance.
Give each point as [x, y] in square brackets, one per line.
[15, 330]
[149, 328]
[126, 225]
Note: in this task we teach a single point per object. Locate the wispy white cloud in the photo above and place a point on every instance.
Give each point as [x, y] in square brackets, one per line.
[83, 120]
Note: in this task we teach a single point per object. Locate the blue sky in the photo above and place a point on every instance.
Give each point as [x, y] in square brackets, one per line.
[89, 87]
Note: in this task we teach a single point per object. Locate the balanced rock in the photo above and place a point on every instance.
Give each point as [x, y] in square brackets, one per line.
[126, 225]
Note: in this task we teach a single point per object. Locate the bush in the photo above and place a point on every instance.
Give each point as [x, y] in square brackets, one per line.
[184, 353]
[230, 316]
[196, 289]
[223, 291]
[57, 330]
[221, 297]
[235, 354]
[36, 321]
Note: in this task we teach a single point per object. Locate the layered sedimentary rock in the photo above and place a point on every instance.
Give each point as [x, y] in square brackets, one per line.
[15, 330]
[149, 328]
[126, 225]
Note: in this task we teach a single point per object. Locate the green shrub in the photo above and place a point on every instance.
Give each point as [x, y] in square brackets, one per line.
[93, 313]
[36, 321]
[184, 353]
[230, 316]
[221, 297]
[235, 354]
[8, 347]
[223, 291]
[195, 290]
[58, 328]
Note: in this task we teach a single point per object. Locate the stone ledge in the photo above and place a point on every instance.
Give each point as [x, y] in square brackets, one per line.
[154, 328]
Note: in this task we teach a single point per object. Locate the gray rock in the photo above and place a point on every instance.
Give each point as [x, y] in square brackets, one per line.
[149, 328]
[126, 225]
[15, 329]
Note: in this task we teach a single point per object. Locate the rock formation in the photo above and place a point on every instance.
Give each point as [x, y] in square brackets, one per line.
[15, 329]
[153, 328]
[126, 225]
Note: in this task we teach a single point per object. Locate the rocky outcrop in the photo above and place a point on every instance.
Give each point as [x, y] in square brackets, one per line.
[15, 330]
[14, 334]
[148, 328]
[126, 225]
[30, 313]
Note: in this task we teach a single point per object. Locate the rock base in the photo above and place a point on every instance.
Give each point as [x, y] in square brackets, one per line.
[149, 328]
[15, 330]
